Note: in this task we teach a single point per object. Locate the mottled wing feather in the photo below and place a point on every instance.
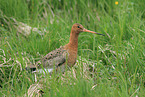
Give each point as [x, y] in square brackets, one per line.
[54, 53]
[55, 57]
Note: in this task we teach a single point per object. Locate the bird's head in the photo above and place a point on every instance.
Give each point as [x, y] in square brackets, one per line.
[77, 28]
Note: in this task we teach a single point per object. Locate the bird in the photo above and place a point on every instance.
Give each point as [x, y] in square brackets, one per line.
[64, 56]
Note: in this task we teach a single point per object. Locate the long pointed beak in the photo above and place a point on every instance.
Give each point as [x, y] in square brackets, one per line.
[85, 30]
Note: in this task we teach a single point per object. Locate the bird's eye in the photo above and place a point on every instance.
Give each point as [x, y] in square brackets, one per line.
[78, 26]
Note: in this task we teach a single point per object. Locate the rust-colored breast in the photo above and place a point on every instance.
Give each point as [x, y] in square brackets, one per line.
[72, 55]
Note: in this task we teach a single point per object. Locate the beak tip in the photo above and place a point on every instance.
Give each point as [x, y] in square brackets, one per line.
[100, 34]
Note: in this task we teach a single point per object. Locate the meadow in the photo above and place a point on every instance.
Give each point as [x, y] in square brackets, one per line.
[107, 66]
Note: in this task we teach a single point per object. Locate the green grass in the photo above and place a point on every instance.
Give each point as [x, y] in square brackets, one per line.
[110, 66]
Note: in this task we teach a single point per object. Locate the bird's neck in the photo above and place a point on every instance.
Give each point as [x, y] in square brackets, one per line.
[73, 42]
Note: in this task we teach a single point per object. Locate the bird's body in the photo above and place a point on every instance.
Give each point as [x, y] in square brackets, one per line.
[64, 55]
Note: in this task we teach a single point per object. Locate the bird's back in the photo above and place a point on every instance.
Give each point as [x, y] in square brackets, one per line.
[53, 59]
